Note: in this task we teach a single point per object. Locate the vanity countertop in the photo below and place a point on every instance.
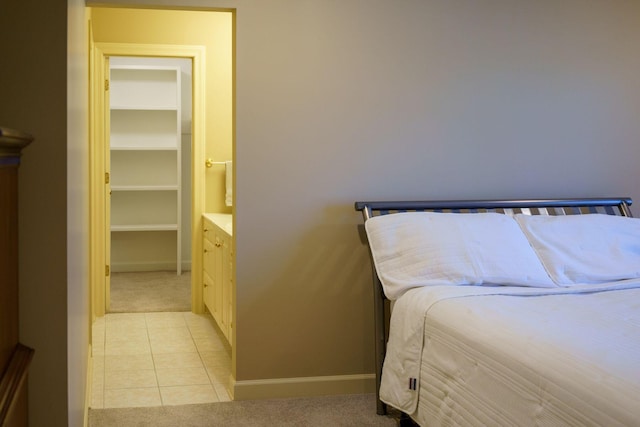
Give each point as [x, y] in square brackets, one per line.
[222, 220]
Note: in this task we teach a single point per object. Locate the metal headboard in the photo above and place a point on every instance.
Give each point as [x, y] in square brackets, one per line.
[610, 206]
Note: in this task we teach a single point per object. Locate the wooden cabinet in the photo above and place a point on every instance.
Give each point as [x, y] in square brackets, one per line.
[218, 270]
[209, 268]
[14, 357]
[145, 165]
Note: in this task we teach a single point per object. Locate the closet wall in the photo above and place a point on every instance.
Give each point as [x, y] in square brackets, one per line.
[150, 164]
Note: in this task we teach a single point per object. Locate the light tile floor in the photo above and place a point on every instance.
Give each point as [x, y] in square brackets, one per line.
[156, 359]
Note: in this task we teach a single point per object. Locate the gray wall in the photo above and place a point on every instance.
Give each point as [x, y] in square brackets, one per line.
[339, 101]
[345, 100]
[43, 82]
[78, 248]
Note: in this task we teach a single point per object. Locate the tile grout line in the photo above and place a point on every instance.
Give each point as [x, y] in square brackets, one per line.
[153, 360]
[204, 365]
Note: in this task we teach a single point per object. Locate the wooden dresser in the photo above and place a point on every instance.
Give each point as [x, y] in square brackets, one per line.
[14, 357]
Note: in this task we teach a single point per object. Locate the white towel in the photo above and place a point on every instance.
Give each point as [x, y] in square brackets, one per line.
[228, 199]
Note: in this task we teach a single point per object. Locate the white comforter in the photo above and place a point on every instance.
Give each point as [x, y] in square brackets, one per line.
[579, 344]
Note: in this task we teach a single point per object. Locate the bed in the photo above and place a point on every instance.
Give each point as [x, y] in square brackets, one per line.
[507, 312]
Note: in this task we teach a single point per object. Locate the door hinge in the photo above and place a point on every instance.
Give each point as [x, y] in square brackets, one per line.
[106, 177]
[106, 270]
[106, 84]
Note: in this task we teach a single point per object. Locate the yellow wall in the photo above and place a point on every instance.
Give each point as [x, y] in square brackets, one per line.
[210, 29]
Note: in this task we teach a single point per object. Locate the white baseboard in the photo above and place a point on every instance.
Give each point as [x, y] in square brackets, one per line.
[304, 386]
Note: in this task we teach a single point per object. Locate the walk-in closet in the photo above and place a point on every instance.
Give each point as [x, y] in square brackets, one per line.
[150, 152]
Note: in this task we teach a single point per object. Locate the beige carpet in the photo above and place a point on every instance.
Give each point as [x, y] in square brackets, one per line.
[329, 411]
[146, 292]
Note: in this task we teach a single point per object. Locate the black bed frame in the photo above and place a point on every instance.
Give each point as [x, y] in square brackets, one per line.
[610, 206]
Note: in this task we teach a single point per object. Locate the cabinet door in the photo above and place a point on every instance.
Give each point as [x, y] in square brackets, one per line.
[227, 286]
[217, 278]
[228, 280]
[208, 274]
[208, 293]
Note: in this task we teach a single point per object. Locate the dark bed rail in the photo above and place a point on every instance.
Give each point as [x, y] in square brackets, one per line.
[607, 205]
[590, 204]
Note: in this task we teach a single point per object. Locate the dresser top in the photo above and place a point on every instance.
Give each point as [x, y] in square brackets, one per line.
[13, 141]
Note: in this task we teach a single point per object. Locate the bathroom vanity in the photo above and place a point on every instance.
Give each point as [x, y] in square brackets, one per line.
[217, 231]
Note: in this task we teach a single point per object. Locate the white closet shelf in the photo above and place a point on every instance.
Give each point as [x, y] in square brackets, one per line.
[143, 148]
[144, 187]
[143, 107]
[145, 227]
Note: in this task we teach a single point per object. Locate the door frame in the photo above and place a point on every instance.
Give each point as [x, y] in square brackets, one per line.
[99, 278]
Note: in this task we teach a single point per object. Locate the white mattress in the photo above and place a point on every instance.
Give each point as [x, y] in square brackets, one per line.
[516, 356]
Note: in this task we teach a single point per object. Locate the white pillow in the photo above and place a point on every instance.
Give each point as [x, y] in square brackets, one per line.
[425, 248]
[582, 249]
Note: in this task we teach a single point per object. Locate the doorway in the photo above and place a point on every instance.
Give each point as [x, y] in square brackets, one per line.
[167, 369]
[205, 38]
[100, 153]
[149, 158]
